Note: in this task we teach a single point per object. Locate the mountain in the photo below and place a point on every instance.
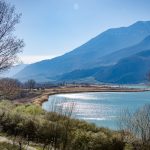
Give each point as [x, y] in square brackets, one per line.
[133, 69]
[78, 75]
[89, 54]
[14, 70]
[126, 52]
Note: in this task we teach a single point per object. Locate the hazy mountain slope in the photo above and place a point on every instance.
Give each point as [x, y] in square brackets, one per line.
[78, 74]
[14, 70]
[133, 69]
[126, 52]
[87, 55]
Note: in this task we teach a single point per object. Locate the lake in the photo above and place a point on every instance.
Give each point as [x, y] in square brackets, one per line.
[101, 108]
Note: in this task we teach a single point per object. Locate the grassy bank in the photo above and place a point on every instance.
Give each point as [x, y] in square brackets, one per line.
[28, 124]
[31, 123]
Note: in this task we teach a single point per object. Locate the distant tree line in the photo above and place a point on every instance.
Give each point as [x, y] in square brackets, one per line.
[12, 88]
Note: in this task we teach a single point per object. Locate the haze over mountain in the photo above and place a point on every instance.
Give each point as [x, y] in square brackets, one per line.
[133, 69]
[116, 56]
[130, 70]
[12, 71]
[107, 48]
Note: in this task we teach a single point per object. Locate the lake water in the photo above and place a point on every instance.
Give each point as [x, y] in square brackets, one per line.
[101, 108]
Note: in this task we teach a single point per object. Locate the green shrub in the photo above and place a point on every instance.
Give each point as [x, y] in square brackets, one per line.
[32, 124]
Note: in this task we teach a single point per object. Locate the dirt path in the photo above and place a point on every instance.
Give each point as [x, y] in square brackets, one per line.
[4, 139]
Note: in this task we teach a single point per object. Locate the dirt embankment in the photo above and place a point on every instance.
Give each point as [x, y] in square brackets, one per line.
[78, 89]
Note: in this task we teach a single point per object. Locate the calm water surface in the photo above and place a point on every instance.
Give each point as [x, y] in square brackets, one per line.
[101, 108]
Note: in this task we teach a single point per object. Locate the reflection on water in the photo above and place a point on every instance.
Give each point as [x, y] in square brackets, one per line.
[77, 96]
[101, 108]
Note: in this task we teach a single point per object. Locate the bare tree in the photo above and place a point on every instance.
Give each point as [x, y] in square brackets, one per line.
[10, 46]
[9, 88]
[137, 124]
[30, 84]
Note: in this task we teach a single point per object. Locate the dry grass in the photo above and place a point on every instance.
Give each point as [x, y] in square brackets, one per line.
[78, 89]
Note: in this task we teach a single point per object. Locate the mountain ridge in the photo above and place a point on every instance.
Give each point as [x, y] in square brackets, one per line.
[87, 55]
[133, 69]
[116, 56]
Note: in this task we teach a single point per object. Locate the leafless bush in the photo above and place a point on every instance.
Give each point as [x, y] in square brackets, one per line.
[137, 124]
[62, 107]
[9, 88]
[65, 111]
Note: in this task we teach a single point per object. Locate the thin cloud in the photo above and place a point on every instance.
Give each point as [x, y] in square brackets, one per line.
[75, 6]
[28, 59]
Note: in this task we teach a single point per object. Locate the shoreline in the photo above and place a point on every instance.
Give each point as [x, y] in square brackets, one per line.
[80, 89]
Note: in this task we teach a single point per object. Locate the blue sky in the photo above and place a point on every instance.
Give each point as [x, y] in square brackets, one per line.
[53, 27]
